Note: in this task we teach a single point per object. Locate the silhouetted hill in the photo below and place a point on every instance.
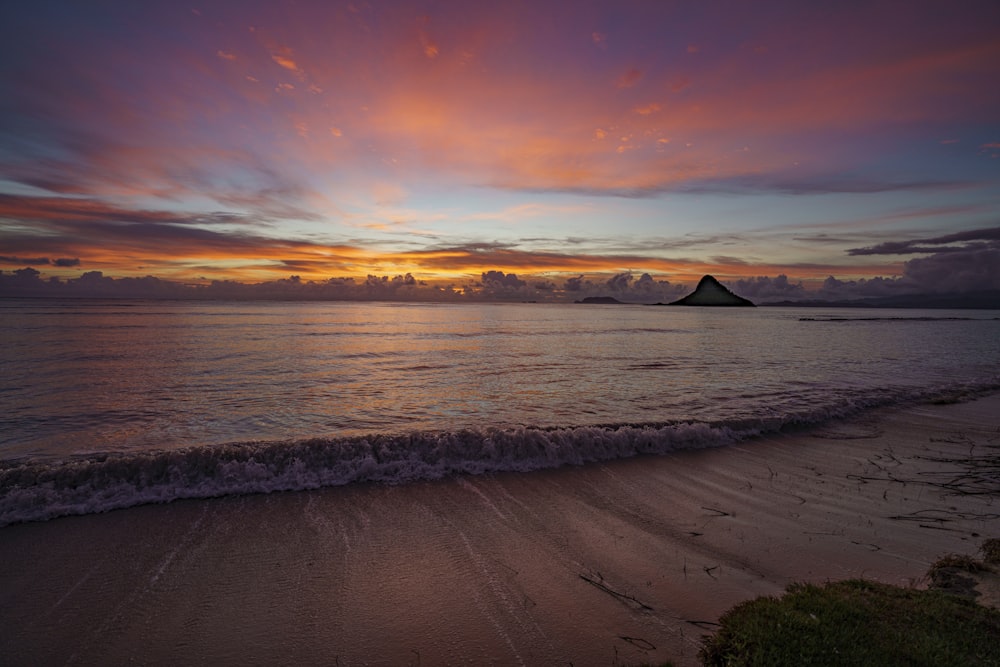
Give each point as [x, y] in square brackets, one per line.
[710, 292]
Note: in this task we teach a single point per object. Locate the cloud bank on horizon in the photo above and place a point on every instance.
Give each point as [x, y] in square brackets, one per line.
[542, 150]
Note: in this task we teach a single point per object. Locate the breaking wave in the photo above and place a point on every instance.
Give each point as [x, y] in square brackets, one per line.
[36, 490]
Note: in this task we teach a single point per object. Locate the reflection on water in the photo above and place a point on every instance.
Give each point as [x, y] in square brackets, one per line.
[103, 375]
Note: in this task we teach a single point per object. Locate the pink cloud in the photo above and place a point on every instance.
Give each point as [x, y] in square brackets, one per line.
[629, 78]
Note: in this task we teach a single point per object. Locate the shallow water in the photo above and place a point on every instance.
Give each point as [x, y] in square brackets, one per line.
[406, 391]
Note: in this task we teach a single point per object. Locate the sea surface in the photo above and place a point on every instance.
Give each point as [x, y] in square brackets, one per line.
[112, 403]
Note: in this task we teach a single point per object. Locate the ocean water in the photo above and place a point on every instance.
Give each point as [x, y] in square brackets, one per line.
[106, 404]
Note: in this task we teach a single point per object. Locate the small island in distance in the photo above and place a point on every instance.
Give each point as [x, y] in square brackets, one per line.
[599, 299]
[710, 292]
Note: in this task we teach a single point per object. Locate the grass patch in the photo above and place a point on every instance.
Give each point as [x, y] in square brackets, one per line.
[855, 622]
[991, 551]
[957, 562]
[955, 574]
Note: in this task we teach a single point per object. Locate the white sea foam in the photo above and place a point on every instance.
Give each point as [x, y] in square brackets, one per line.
[33, 491]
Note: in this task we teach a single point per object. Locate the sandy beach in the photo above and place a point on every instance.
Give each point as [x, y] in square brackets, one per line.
[619, 563]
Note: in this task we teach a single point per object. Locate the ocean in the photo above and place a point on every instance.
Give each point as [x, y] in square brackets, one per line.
[108, 404]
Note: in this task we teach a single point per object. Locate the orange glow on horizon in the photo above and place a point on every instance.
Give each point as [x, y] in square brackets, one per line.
[435, 268]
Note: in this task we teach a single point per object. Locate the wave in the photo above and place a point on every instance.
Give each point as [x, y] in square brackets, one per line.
[41, 490]
[897, 319]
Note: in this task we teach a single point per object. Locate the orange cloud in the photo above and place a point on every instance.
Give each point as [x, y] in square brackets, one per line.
[284, 58]
[430, 48]
[286, 62]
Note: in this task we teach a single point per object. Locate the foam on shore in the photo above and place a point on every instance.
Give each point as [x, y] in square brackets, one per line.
[620, 562]
[40, 490]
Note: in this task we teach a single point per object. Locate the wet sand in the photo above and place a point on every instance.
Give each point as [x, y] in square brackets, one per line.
[619, 563]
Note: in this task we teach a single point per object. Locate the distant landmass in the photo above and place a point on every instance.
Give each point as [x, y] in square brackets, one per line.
[598, 299]
[984, 299]
[710, 292]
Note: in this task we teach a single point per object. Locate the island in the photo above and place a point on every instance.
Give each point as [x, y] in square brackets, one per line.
[598, 299]
[710, 292]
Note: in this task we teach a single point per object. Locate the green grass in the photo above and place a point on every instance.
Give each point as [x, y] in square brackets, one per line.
[856, 622]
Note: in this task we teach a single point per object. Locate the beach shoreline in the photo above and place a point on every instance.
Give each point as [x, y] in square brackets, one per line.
[621, 562]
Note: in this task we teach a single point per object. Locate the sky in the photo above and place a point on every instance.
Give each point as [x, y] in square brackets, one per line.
[792, 148]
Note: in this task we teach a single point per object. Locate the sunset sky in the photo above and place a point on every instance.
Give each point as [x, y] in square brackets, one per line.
[251, 141]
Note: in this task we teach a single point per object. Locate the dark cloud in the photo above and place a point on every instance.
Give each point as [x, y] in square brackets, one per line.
[743, 184]
[82, 226]
[77, 210]
[977, 238]
[619, 283]
[730, 261]
[82, 218]
[823, 238]
[24, 261]
[834, 289]
[495, 285]
[765, 287]
[270, 203]
[497, 279]
[66, 262]
[648, 289]
[465, 256]
[46, 153]
[29, 282]
[566, 240]
[823, 186]
[953, 271]
[965, 271]
[325, 265]
[625, 287]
